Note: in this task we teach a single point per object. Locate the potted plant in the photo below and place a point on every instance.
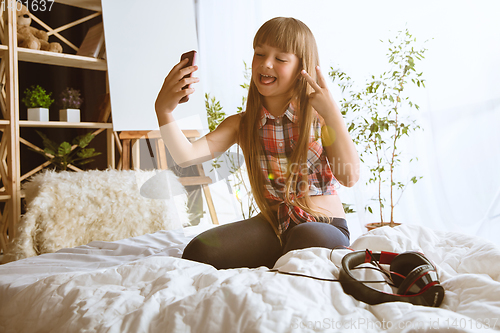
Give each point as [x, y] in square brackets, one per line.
[63, 155]
[70, 102]
[38, 102]
[378, 117]
[233, 161]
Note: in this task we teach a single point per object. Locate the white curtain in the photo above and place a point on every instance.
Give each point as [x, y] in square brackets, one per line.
[459, 148]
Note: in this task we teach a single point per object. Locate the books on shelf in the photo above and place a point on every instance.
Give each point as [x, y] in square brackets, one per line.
[93, 43]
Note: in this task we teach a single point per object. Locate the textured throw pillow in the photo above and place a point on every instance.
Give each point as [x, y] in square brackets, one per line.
[67, 209]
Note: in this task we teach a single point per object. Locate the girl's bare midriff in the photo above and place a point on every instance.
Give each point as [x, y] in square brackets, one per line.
[330, 205]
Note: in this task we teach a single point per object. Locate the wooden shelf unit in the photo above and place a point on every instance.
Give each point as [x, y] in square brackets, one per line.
[58, 59]
[10, 159]
[63, 124]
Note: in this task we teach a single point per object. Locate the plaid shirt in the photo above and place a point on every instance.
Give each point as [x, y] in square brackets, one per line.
[278, 136]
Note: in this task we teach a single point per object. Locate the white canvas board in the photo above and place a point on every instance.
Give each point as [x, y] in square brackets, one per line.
[144, 40]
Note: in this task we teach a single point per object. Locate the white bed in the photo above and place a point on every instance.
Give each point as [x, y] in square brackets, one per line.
[142, 285]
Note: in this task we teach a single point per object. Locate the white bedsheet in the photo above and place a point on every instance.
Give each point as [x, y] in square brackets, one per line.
[142, 285]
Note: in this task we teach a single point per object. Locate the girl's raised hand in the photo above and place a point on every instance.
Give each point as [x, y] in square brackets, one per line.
[321, 99]
[171, 92]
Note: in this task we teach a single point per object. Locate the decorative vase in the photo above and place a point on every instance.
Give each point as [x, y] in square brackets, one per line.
[38, 114]
[375, 225]
[69, 115]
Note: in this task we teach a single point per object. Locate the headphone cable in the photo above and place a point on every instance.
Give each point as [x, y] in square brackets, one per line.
[332, 280]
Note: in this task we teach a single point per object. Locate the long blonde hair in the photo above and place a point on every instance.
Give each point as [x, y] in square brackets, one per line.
[291, 36]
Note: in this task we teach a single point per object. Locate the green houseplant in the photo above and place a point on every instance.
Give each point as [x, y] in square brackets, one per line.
[64, 154]
[234, 162]
[38, 102]
[378, 116]
[70, 102]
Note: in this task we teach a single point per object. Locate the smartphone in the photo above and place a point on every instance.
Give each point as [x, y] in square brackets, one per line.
[191, 55]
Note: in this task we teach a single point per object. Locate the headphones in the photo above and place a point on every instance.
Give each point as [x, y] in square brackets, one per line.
[411, 272]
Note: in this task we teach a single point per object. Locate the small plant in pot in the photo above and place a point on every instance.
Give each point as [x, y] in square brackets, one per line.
[70, 102]
[38, 102]
[378, 117]
[65, 155]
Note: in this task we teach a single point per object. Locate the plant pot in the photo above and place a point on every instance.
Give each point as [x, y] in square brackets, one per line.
[375, 225]
[69, 115]
[38, 114]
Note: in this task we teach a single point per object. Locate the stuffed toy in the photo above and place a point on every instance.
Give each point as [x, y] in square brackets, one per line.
[31, 37]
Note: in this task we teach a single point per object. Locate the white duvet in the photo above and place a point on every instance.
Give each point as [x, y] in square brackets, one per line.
[141, 285]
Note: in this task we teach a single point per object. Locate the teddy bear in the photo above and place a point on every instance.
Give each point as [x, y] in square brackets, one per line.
[31, 37]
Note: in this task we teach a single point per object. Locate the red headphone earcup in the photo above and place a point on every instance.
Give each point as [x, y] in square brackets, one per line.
[412, 284]
[404, 263]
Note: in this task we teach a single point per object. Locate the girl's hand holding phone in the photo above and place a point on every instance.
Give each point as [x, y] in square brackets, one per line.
[172, 91]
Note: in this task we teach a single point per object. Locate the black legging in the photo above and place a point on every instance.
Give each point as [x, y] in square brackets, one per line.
[253, 243]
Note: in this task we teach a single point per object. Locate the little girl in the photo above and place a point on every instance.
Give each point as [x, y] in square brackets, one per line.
[296, 147]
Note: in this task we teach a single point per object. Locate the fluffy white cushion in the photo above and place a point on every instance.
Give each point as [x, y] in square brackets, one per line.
[67, 209]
